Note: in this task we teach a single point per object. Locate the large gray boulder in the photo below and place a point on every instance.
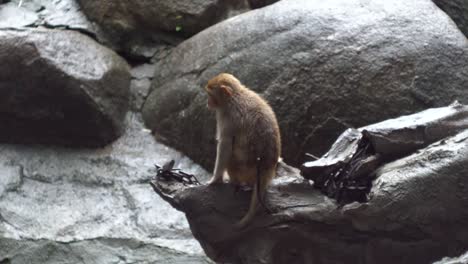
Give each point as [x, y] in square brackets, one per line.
[324, 66]
[416, 211]
[60, 87]
[67, 206]
[457, 10]
[457, 260]
[127, 21]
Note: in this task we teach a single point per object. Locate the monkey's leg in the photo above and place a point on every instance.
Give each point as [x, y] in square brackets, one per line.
[223, 154]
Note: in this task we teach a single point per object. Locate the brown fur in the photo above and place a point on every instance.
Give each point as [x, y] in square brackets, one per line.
[249, 143]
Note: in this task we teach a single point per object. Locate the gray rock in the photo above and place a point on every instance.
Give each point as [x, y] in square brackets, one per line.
[324, 66]
[67, 14]
[345, 171]
[99, 250]
[139, 89]
[10, 179]
[184, 18]
[463, 259]
[140, 85]
[60, 87]
[52, 14]
[261, 3]
[13, 16]
[457, 10]
[416, 213]
[62, 205]
[142, 71]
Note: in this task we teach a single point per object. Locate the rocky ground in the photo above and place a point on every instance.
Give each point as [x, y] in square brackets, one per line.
[92, 206]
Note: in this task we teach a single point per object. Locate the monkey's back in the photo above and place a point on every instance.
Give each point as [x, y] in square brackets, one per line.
[258, 142]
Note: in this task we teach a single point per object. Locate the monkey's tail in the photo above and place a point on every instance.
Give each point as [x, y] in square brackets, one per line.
[252, 209]
[258, 193]
[260, 186]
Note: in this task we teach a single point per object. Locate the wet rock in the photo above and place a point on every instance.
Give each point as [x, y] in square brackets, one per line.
[52, 14]
[345, 172]
[67, 14]
[62, 205]
[183, 18]
[60, 87]
[324, 66]
[261, 3]
[10, 179]
[13, 16]
[457, 10]
[143, 71]
[140, 85]
[416, 213]
[99, 250]
[457, 260]
[139, 89]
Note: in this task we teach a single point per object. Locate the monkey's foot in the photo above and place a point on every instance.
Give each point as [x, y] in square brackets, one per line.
[214, 180]
[242, 187]
[241, 224]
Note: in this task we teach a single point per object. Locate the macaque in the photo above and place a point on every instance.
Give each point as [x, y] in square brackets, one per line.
[248, 136]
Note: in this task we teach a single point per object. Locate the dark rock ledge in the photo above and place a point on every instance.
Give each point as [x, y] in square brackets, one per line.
[416, 212]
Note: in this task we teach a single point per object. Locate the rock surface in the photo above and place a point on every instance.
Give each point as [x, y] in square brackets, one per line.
[184, 17]
[60, 205]
[60, 87]
[416, 213]
[457, 260]
[140, 85]
[345, 172]
[12, 16]
[457, 10]
[324, 66]
[51, 14]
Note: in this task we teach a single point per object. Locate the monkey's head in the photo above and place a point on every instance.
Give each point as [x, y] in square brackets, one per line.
[221, 89]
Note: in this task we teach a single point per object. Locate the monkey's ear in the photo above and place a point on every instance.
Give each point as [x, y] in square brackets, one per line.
[226, 90]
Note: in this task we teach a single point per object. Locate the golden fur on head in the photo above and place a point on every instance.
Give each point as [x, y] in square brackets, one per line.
[223, 79]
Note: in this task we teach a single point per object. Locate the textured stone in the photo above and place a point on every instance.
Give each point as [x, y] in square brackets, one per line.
[62, 205]
[13, 16]
[457, 260]
[185, 17]
[60, 87]
[457, 10]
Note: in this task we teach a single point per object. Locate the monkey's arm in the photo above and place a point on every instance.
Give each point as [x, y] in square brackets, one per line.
[223, 154]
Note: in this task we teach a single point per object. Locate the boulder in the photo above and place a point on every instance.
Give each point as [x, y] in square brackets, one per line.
[416, 212]
[345, 172]
[60, 87]
[457, 260]
[13, 16]
[163, 19]
[64, 205]
[457, 10]
[324, 66]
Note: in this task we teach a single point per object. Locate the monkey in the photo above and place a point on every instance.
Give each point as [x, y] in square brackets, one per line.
[248, 138]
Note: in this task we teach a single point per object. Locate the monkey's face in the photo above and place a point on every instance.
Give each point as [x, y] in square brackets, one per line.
[219, 91]
[217, 96]
[212, 102]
